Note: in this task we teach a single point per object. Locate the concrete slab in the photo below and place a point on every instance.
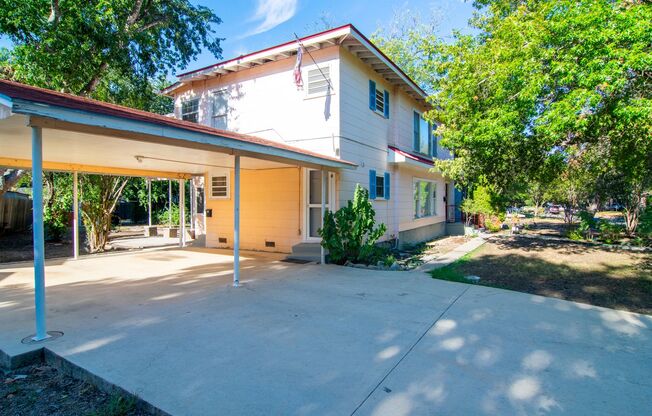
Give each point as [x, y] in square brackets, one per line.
[498, 352]
[327, 340]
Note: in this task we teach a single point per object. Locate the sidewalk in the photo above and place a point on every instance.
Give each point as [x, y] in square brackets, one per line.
[436, 261]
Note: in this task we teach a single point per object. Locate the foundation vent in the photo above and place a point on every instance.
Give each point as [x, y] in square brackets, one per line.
[270, 244]
[221, 240]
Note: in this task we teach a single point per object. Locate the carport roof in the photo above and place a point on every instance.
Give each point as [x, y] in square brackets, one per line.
[39, 102]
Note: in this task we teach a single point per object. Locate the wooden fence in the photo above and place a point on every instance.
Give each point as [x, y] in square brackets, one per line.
[15, 212]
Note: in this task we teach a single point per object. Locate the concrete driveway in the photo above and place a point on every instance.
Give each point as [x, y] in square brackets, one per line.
[328, 340]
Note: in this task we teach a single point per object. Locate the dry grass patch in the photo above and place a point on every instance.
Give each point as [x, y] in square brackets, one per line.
[594, 275]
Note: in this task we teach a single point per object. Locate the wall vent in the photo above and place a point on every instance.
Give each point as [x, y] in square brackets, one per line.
[270, 244]
[221, 240]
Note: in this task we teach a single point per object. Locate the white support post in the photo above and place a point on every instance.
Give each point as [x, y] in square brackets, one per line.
[149, 202]
[75, 215]
[324, 178]
[169, 203]
[236, 223]
[182, 212]
[39, 236]
[191, 189]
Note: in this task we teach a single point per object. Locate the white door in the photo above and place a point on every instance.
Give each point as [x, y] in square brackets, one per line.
[313, 198]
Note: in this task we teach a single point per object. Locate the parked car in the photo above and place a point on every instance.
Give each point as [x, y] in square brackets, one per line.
[554, 209]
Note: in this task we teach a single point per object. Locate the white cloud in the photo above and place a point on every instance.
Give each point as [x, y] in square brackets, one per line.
[271, 13]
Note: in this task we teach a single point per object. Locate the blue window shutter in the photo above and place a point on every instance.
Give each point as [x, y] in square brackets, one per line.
[386, 99]
[434, 141]
[430, 151]
[386, 185]
[416, 131]
[372, 95]
[372, 184]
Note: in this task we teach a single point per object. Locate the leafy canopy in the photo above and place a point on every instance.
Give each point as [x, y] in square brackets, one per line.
[542, 76]
[75, 45]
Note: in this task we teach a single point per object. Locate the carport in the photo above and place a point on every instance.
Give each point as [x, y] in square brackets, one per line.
[46, 130]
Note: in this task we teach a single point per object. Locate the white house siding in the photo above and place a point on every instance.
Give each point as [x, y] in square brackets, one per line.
[265, 102]
[364, 134]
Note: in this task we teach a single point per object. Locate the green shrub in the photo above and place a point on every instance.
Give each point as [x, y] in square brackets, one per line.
[576, 235]
[609, 232]
[493, 223]
[351, 233]
[645, 223]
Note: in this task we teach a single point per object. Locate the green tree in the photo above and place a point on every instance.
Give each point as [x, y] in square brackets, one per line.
[409, 40]
[75, 45]
[112, 50]
[544, 76]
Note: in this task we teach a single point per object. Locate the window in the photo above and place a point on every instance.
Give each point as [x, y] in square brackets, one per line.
[220, 186]
[425, 198]
[319, 81]
[423, 137]
[378, 100]
[190, 110]
[220, 109]
[378, 185]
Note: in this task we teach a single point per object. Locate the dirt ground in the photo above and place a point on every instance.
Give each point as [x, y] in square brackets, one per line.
[41, 390]
[611, 278]
[19, 246]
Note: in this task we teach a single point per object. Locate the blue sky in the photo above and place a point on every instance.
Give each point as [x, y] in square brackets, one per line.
[250, 25]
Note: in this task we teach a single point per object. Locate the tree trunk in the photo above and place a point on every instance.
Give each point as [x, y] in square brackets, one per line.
[10, 178]
[631, 220]
[97, 209]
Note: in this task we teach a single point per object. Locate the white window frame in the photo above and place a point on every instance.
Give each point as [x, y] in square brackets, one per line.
[379, 196]
[380, 96]
[209, 188]
[194, 112]
[432, 196]
[213, 94]
[431, 140]
[329, 90]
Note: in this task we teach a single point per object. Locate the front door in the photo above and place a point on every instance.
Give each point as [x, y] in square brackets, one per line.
[313, 203]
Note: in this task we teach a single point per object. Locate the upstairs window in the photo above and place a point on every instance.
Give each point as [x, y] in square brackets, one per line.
[220, 109]
[423, 137]
[190, 110]
[378, 100]
[319, 81]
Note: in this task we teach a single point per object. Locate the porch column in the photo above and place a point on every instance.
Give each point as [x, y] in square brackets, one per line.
[324, 176]
[236, 222]
[182, 212]
[39, 237]
[169, 203]
[191, 189]
[149, 202]
[75, 215]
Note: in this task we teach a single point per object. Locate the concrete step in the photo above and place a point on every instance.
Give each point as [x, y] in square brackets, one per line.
[306, 251]
[455, 228]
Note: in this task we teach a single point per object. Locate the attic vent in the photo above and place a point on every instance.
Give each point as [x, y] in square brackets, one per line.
[221, 240]
[270, 244]
[318, 80]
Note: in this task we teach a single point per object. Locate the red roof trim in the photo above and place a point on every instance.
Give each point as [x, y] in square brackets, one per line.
[17, 90]
[347, 26]
[266, 49]
[411, 156]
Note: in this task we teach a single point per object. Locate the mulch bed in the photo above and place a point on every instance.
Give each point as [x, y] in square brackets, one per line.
[611, 278]
[42, 390]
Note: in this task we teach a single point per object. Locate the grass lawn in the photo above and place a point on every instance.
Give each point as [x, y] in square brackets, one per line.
[614, 279]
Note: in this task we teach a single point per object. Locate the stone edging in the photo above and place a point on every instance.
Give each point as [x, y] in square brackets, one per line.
[44, 355]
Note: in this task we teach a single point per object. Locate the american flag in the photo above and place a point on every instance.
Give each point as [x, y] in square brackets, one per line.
[298, 80]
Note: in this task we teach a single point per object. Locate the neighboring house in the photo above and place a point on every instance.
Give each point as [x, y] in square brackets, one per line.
[355, 104]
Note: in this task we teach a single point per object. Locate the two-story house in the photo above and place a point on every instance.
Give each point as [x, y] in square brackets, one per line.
[355, 104]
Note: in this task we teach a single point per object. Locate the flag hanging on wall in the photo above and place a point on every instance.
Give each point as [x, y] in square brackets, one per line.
[298, 80]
